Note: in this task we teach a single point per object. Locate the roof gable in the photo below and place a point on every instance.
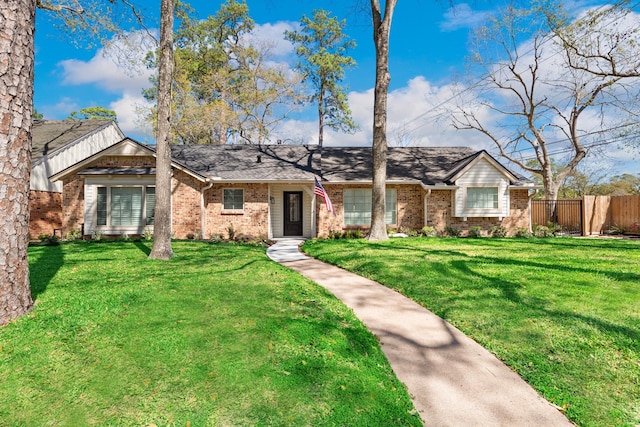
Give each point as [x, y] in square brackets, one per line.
[464, 165]
[126, 147]
[48, 136]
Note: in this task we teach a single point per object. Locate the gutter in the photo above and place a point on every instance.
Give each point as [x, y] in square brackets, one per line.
[202, 209]
[531, 196]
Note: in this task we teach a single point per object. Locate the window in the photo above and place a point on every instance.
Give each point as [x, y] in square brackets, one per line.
[482, 198]
[357, 206]
[233, 199]
[123, 206]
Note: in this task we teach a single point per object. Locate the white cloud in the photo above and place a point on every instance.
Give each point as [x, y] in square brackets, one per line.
[462, 16]
[273, 34]
[417, 115]
[63, 107]
[116, 68]
[127, 110]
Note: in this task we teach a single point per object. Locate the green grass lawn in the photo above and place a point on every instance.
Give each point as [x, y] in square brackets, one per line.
[220, 336]
[564, 313]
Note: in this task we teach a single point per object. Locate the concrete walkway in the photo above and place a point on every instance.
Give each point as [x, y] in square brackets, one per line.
[452, 380]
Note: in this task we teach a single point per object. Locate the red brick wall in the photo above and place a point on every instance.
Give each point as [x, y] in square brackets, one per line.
[72, 203]
[253, 221]
[439, 206]
[45, 212]
[185, 209]
[410, 199]
[410, 214]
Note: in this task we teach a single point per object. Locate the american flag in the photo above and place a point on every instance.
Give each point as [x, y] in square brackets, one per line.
[320, 191]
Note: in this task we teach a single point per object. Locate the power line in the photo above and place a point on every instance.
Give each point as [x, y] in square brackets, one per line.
[546, 39]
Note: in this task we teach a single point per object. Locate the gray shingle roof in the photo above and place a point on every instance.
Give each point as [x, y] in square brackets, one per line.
[250, 162]
[49, 135]
[429, 165]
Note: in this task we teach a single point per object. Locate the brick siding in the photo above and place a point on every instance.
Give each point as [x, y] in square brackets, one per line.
[45, 212]
[410, 214]
[410, 204]
[252, 221]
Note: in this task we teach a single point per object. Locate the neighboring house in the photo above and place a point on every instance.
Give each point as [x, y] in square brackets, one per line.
[268, 191]
[56, 145]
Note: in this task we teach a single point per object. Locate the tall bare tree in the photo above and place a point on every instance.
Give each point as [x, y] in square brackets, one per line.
[553, 98]
[381, 31]
[17, 19]
[162, 225]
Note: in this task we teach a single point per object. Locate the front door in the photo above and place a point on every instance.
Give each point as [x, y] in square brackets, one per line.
[293, 213]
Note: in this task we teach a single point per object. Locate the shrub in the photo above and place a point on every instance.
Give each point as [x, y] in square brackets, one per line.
[231, 232]
[452, 231]
[353, 234]
[522, 232]
[475, 231]
[428, 231]
[191, 236]
[615, 229]
[74, 234]
[49, 239]
[498, 231]
[542, 231]
[147, 234]
[335, 235]
[97, 235]
[216, 237]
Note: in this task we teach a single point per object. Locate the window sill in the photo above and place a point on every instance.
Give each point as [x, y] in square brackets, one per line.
[232, 212]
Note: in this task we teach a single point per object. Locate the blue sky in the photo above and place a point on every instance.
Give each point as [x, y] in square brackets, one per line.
[429, 43]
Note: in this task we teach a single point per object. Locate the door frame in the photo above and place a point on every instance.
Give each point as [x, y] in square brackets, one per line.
[285, 217]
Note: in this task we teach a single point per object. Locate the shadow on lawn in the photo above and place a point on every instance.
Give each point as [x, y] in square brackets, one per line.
[44, 269]
[143, 247]
[465, 268]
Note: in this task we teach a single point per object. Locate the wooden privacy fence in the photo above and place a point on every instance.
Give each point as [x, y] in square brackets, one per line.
[565, 212]
[590, 215]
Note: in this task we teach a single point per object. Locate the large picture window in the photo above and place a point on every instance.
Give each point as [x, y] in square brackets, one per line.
[125, 206]
[357, 206]
[482, 198]
[233, 199]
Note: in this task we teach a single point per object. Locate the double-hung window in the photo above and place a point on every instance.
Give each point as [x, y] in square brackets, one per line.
[125, 206]
[357, 206]
[233, 199]
[479, 198]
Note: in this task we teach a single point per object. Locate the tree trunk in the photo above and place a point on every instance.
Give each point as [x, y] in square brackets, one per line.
[17, 20]
[162, 224]
[321, 117]
[381, 30]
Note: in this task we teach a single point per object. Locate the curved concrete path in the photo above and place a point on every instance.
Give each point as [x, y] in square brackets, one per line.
[452, 380]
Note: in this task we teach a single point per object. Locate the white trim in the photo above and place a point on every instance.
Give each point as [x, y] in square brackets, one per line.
[484, 155]
[91, 208]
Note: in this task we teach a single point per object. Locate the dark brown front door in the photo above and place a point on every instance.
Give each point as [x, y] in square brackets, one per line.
[293, 213]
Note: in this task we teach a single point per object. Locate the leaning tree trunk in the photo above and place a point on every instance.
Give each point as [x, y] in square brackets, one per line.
[17, 19]
[381, 30]
[162, 224]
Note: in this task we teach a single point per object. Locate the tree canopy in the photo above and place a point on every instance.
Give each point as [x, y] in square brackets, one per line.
[322, 48]
[224, 87]
[94, 113]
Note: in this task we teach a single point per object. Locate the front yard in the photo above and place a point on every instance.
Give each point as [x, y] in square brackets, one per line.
[564, 313]
[220, 335]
